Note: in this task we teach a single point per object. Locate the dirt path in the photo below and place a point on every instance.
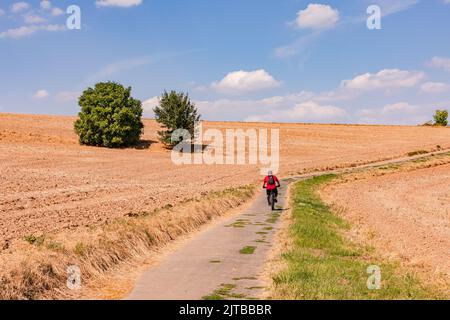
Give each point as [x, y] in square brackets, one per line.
[212, 259]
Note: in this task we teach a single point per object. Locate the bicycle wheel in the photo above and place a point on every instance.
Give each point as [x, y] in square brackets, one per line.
[272, 200]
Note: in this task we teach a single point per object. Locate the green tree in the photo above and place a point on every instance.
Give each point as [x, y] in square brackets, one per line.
[109, 116]
[175, 111]
[441, 118]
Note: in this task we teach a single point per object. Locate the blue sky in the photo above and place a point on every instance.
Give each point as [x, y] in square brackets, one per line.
[253, 60]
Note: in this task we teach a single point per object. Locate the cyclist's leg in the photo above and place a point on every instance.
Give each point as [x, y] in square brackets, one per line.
[268, 196]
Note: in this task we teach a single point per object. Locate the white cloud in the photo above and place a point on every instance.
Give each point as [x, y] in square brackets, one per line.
[400, 107]
[67, 96]
[336, 106]
[299, 45]
[296, 107]
[313, 110]
[33, 19]
[308, 106]
[339, 94]
[117, 67]
[253, 106]
[440, 62]
[389, 7]
[17, 32]
[118, 3]
[306, 111]
[19, 7]
[316, 20]
[41, 94]
[29, 30]
[46, 5]
[149, 104]
[57, 12]
[317, 16]
[245, 81]
[400, 113]
[385, 79]
[435, 87]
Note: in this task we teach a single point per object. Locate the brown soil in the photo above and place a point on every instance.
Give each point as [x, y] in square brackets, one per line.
[50, 183]
[404, 215]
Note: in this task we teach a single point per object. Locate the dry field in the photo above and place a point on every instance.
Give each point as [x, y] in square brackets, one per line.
[50, 183]
[405, 215]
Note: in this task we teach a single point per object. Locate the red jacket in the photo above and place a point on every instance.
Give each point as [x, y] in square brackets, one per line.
[271, 187]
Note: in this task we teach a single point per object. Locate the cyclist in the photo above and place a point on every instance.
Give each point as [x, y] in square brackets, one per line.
[271, 183]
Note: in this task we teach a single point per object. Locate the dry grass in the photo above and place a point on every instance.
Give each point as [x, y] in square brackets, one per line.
[283, 242]
[278, 264]
[33, 271]
[325, 264]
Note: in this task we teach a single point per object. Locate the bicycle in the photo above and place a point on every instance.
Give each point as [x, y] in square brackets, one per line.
[272, 199]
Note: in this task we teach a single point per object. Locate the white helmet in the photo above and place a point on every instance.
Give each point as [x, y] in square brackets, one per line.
[270, 173]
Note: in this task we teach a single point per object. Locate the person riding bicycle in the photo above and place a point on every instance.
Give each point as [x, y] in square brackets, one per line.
[271, 183]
